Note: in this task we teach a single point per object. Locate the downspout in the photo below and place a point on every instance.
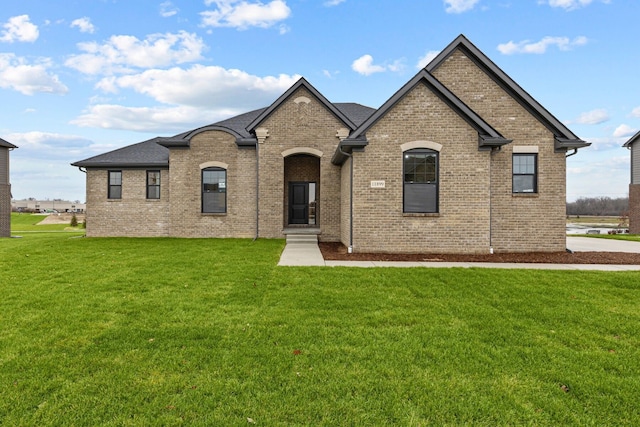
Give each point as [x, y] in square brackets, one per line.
[575, 151]
[257, 190]
[350, 156]
[493, 150]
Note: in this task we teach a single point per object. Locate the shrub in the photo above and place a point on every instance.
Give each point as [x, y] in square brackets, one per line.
[74, 220]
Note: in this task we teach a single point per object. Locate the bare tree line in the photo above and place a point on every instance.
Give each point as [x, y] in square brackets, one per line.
[599, 206]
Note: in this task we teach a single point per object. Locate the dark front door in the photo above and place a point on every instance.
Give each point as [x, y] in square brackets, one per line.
[298, 203]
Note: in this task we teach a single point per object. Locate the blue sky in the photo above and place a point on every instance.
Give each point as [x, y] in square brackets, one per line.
[82, 77]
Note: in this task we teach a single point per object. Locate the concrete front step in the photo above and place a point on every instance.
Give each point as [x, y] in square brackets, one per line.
[309, 239]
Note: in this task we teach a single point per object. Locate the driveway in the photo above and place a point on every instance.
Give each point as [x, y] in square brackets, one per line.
[590, 244]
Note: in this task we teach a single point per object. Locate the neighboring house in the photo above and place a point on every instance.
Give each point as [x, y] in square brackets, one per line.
[5, 189]
[460, 160]
[633, 145]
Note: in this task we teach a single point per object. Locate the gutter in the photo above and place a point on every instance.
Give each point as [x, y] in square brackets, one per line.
[575, 151]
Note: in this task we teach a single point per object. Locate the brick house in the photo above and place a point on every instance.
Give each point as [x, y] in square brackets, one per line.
[460, 160]
[634, 186]
[5, 189]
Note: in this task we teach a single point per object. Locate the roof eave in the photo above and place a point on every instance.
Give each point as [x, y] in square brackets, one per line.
[246, 142]
[7, 144]
[346, 147]
[104, 165]
[564, 144]
[635, 138]
[489, 142]
[173, 143]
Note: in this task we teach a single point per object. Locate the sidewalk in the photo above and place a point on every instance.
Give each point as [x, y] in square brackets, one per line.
[310, 255]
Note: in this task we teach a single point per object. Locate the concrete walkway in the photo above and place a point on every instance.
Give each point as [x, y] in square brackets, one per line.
[592, 244]
[308, 254]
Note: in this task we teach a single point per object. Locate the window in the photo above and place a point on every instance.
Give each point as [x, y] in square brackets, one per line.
[420, 168]
[525, 173]
[214, 190]
[115, 185]
[153, 184]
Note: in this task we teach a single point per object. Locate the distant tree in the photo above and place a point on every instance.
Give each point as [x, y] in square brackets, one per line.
[598, 206]
[74, 220]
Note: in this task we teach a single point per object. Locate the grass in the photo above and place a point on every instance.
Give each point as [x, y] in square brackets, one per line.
[136, 332]
[607, 221]
[29, 223]
[628, 237]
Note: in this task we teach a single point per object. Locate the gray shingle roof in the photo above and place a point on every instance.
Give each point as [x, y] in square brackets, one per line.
[143, 154]
[154, 152]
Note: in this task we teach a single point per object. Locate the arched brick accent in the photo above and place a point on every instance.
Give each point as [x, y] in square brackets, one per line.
[421, 144]
[214, 165]
[302, 150]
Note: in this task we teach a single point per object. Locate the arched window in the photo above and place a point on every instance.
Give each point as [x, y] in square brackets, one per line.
[214, 190]
[420, 170]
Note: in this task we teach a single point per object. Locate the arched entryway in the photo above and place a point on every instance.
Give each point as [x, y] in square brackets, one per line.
[301, 190]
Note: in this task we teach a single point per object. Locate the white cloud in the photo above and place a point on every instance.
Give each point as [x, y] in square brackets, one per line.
[19, 28]
[242, 14]
[122, 53]
[593, 117]
[428, 57]
[46, 145]
[624, 131]
[203, 86]
[200, 94]
[17, 74]
[636, 112]
[570, 4]
[167, 9]
[459, 6]
[84, 25]
[330, 3]
[526, 46]
[364, 65]
[147, 119]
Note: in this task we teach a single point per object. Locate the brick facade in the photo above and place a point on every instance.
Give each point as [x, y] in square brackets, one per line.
[462, 224]
[300, 122]
[133, 215]
[520, 223]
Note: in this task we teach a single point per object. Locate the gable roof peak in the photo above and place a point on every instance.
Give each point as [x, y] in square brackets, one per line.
[301, 83]
[565, 139]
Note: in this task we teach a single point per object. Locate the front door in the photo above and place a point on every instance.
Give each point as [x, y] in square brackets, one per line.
[298, 203]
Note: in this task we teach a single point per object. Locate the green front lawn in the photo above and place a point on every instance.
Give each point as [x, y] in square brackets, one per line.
[29, 223]
[138, 332]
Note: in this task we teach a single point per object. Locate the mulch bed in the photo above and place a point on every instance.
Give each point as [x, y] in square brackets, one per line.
[338, 252]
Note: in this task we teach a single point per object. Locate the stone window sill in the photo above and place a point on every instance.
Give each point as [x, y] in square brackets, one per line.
[526, 195]
[213, 214]
[422, 215]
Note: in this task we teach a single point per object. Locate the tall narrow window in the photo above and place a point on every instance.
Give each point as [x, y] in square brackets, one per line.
[214, 190]
[525, 173]
[115, 185]
[153, 184]
[420, 168]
